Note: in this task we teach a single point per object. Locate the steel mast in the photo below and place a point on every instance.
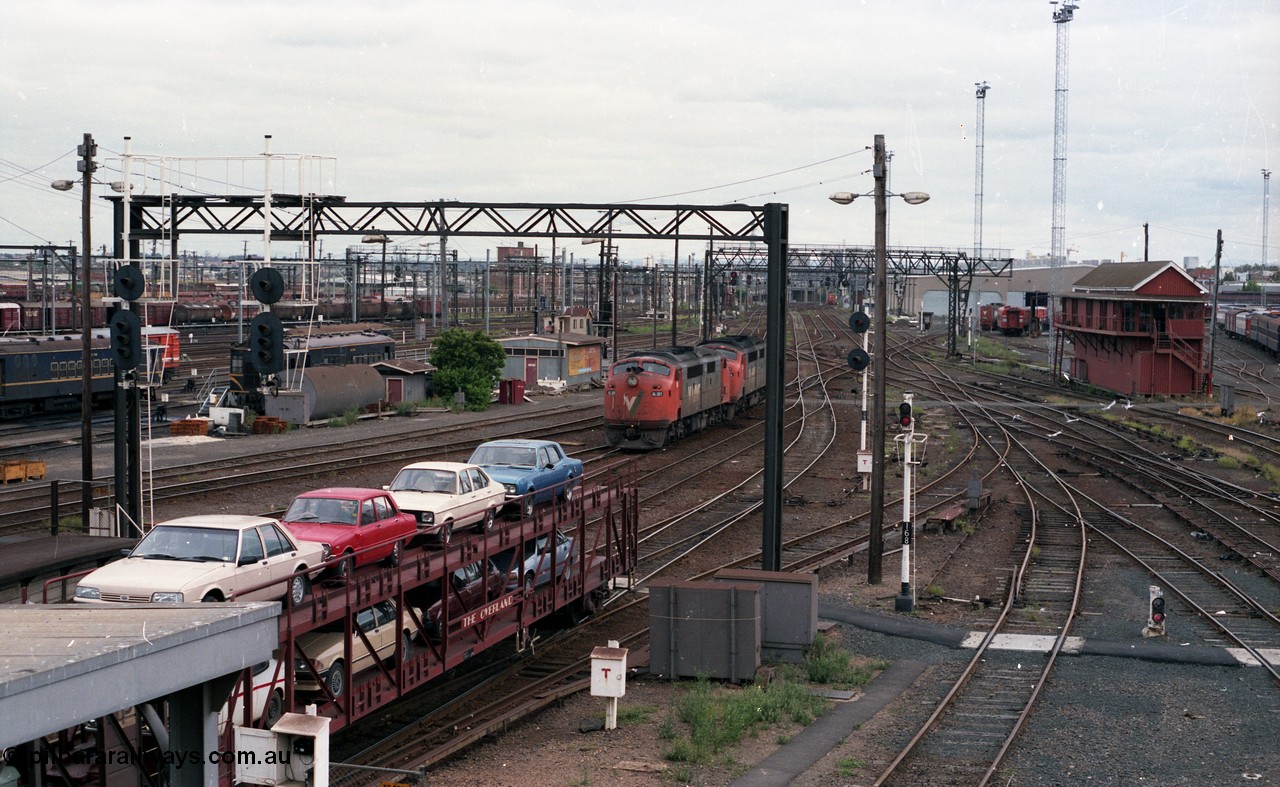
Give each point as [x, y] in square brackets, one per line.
[982, 88]
[1062, 18]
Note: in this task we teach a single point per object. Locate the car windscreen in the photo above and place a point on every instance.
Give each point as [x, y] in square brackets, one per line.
[328, 510]
[515, 456]
[420, 480]
[180, 542]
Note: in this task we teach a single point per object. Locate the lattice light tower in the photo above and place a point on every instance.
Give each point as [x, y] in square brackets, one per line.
[1266, 200]
[982, 88]
[1062, 18]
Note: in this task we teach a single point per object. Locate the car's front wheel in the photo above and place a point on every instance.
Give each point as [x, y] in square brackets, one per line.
[298, 589]
[275, 709]
[393, 559]
[526, 505]
[337, 679]
[567, 493]
[446, 533]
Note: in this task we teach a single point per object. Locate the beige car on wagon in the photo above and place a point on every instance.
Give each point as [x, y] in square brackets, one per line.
[446, 496]
[325, 648]
[208, 558]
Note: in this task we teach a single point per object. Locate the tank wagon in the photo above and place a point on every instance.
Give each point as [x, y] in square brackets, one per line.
[336, 349]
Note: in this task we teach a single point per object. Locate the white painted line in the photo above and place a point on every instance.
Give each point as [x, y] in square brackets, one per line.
[1272, 655]
[1025, 642]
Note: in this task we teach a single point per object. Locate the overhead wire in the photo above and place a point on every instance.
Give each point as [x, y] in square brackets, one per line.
[749, 180]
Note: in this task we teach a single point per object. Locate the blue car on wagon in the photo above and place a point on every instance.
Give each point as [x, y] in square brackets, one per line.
[531, 471]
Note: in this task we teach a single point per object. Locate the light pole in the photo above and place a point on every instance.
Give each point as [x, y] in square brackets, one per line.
[87, 150]
[378, 237]
[1266, 198]
[875, 546]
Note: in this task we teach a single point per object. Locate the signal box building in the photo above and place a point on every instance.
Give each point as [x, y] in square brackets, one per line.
[1136, 328]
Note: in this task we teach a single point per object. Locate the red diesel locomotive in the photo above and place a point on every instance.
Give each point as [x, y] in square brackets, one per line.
[655, 397]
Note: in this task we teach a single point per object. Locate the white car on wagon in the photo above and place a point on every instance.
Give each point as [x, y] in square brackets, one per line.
[207, 558]
[445, 496]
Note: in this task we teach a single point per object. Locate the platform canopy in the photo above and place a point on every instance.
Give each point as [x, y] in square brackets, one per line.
[63, 664]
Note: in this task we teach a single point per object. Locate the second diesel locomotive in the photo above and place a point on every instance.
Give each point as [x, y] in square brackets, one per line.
[655, 397]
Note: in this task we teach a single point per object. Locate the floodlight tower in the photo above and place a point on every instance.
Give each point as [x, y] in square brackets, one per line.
[982, 88]
[1266, 199]
[1062, 18]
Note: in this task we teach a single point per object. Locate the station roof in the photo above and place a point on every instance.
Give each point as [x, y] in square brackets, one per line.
[63, 664]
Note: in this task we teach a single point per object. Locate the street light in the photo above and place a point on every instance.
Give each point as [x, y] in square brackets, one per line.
[875, 547]
[86, 165]
[378, 237]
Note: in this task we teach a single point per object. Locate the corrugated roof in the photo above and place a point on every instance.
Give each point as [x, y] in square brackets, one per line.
[1127, 276]
[406, 365]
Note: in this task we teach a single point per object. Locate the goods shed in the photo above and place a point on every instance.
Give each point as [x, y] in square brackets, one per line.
[572, 359]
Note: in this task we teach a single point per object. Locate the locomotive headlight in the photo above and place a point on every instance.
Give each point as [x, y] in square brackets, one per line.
[655, 393]
[632, 380]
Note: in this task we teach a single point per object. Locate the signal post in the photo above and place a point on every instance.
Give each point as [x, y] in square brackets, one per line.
[906, 599]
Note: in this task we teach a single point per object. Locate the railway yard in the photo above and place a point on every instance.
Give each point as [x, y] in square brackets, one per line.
[1024, 660]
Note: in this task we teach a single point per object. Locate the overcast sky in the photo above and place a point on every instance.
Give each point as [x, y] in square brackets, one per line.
[1173, 109]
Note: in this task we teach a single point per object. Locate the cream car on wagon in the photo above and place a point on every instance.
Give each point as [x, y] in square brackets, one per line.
[446, 496]
[208, 558]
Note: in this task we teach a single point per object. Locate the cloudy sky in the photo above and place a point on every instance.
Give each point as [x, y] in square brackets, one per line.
[1173, 108]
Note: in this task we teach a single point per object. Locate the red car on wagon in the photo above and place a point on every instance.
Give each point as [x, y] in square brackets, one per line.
[366, 525]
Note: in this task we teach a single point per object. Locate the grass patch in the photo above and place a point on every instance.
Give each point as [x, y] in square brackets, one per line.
[717, 717]
[848, 767]
[710, 719]
[635, 714]
[349, 417]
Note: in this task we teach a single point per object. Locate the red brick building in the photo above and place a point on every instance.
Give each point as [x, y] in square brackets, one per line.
[1137, 328]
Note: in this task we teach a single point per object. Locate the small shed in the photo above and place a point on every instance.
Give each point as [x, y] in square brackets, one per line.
[575, 359]
[406, 380]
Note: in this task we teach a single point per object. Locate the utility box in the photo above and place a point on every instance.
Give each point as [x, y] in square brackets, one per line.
[229, 417]
[293, 753]
[511, 391]
[788, 611]
[609, 672]
[707, 629]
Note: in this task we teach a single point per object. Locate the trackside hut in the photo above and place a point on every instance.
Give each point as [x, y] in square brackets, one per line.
[574, 358]
[407, 380]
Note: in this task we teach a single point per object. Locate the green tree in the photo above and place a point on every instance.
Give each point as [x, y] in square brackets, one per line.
[468, 361]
